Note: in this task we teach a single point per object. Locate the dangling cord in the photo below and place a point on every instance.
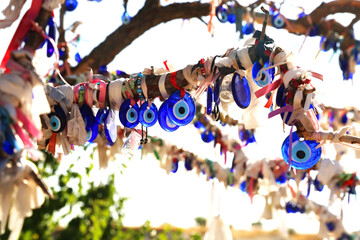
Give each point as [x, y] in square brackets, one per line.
[142, 92]
[146, 139]
[38, 29]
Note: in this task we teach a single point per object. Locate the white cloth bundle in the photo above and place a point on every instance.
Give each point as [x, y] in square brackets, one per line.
[76, 127]
[19, 194]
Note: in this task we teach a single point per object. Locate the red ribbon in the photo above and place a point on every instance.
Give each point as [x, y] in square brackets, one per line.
[270, 101]
[173, 81]
[166, 66]
[268, 88]
[251, 189]
[52, 144]
[22, 30]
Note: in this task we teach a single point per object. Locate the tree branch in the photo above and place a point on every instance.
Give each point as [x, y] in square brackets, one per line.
[150, 16]
[146, 18]
[152, 3]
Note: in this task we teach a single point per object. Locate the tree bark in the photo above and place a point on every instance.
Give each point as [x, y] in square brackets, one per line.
[153, 14]
[146, 18]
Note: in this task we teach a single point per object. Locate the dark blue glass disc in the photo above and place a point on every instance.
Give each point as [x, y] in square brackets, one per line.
[209, 101]
[222, 12]
[248, 28]
[93, 131]
[148, 116]
[164, 120]
[110, 128]
[88, 116]
[125, 18]
[57, 119]
[71, 5]
[101, 115]
[266, 76]
[207, 136]
[175, 166]
[181, 110]
[217, 90]
[129, 115]
[280, 96]
[278, 21]
[241, 91]
[304, 152]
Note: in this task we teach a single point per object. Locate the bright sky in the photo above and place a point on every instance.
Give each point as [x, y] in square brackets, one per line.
[179, 198]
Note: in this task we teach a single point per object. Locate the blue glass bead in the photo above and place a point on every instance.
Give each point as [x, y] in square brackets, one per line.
[120, 73]
[209, 101]
[248, 28]
[125, 18]
[344, 119]
[318, 185]
[314, 31]
[222, 12]
[330, 226]
[243, 186]
[199, 125]
[71, 5]
[103, 69]
[188, 163]
[77, 57]
[207, 136]
[281, 179]
[241, 91]
[289, 207]
[301, 15]
[231, 18]
[301, 209]
[175, 166]
[278, 21]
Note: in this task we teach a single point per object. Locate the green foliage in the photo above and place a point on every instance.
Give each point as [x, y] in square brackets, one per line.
[99, 215]
[201, 221]
[92, 212]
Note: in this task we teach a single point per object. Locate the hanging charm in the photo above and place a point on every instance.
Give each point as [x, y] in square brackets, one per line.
[125, 17]
[71, 5]
[110, 128]
[129, 115]
[165, 122]
[57, 119]
[222, 12]
[181, 110]
[240, 90]
[278, 21]
[51, 34]
[304, 153]
[91, 124]
[209, 101]
[148, 115]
